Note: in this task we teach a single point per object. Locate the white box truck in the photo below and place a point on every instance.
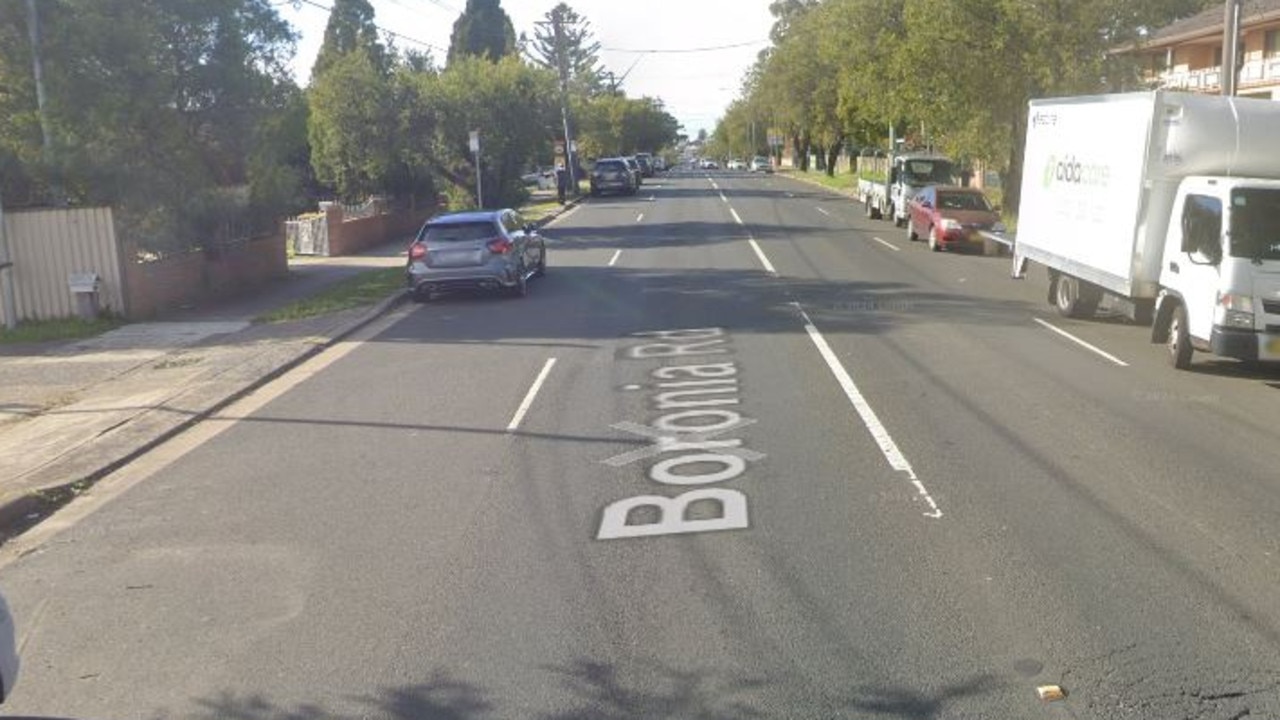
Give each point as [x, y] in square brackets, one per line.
[1167, 204]
[908, 174]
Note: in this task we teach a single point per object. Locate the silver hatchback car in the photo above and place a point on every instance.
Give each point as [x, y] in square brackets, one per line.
[479, 250]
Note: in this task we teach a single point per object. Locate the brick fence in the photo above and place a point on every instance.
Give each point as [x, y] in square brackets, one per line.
[153, 287]
[349, 237]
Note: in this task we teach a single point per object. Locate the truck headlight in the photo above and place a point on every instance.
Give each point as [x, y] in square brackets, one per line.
[1234, 311]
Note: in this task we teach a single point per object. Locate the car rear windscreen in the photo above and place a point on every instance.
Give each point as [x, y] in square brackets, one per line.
[962, 201]
[611, 166]
[458, 232]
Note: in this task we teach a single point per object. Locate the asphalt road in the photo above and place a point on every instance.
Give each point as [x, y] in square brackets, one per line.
[785, 464]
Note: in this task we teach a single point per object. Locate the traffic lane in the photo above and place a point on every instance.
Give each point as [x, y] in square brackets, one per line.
[976, 371]
[818, 620]
[302, 505]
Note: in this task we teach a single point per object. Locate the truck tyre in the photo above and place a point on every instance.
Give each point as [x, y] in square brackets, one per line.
[1073, 298]
[1179, 342]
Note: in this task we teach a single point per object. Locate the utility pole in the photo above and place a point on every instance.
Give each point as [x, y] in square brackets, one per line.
[1230, 47]
[562, 68]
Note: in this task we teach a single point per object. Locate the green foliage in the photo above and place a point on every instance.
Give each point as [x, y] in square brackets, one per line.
[954, 73]
[482, 29]
[350, 29]
[352, 126]
[615, 125]
[151, 107]
[512, 105]
[563, 43]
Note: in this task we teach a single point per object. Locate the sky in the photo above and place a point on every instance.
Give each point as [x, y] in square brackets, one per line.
[695, 86]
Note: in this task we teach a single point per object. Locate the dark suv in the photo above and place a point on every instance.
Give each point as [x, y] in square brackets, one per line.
[646, 164]
[612, 175]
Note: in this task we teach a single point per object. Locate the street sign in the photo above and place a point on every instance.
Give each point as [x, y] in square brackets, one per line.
[475, 141]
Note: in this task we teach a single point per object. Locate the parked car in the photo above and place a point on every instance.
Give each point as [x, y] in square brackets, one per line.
[478, 250]
[646, 164]
[735, 164]
[761, 163]
[950, 216]
[636, 172]
[8, 652]
[612, 175]
[544, 178]
[709, 164]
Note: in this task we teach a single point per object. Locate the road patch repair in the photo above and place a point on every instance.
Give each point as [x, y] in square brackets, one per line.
[690, 439]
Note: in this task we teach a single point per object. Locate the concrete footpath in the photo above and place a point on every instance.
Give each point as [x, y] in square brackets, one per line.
[73, 412]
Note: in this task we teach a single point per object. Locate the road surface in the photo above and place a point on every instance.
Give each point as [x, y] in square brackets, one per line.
[743, 453]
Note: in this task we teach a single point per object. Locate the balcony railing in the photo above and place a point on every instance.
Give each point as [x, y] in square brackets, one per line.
[1251, 73]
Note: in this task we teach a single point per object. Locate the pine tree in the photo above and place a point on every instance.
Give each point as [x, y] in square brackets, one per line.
[482, 29]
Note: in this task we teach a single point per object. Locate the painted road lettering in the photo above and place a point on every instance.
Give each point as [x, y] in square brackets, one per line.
[688, 447]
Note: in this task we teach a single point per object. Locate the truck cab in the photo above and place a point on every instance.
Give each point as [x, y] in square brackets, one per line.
[909, 174]
[1220, 279]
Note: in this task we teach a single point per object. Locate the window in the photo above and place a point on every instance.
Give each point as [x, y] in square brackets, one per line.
[1202, 225]
[1271, 44]
[1255, 223]
[457, 232]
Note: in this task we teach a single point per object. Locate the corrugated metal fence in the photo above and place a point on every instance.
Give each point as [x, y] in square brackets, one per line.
[47, 246]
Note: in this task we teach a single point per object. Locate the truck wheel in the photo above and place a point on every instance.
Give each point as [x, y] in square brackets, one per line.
[1179, 342]
[1073, 298]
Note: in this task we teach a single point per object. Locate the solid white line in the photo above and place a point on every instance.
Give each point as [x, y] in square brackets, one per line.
[639, 217]
[760, 254]
[529, 396]
[616, 254]
[734, 213]
[824, 212]
[1082, 343]
[888, 447]
[888, 244]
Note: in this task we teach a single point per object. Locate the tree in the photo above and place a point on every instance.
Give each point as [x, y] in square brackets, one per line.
[350, 29]
[152, 108]
[474, 93]
[352, 126]
[482, 29]
[563, 43]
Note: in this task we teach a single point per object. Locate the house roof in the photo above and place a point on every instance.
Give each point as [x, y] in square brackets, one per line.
[1209, 22]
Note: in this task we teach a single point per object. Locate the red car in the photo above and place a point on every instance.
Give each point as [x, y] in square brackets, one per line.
[950, 216]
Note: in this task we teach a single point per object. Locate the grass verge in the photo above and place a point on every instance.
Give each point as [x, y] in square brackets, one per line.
[366, 288]
[839, 181]
[34, 331]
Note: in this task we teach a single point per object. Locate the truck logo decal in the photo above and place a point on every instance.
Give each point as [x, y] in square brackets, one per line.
[1070, 170]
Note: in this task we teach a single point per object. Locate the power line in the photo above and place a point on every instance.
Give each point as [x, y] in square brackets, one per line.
[392, 33]
[662, 51]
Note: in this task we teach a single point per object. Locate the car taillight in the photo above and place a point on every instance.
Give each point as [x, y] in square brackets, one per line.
[499, 246]
[417, 251]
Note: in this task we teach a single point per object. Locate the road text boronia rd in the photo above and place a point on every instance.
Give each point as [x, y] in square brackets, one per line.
[691, 440]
